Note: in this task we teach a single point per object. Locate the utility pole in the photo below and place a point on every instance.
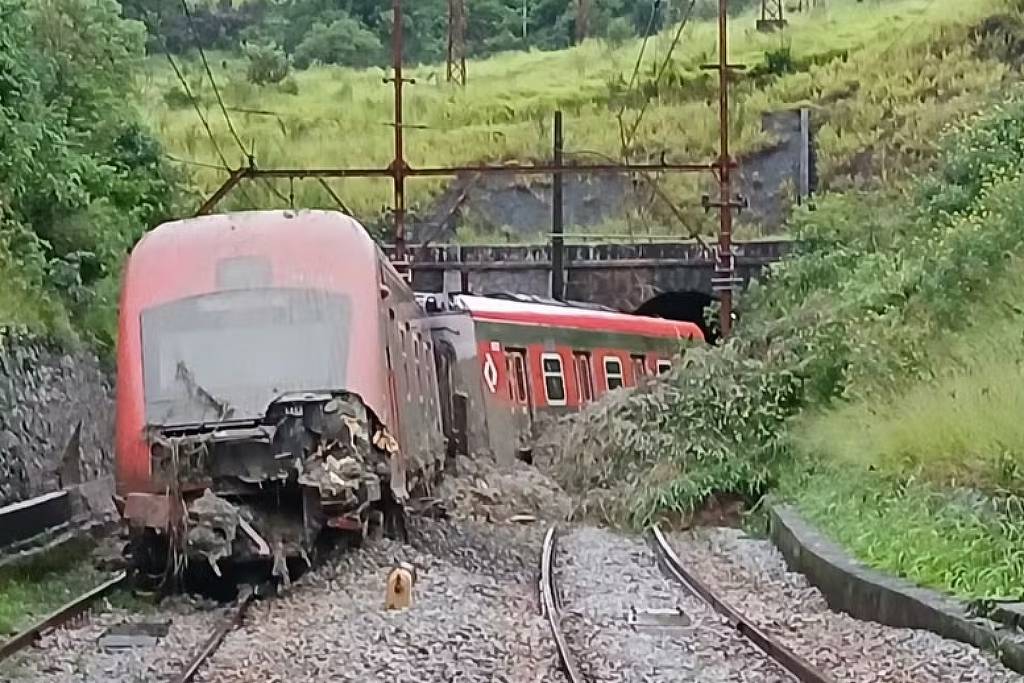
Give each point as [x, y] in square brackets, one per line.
[582, 20]
[557, 217]
[773, 16]
[398, 166]
[457, 42]
[525, 18]
[725, 280]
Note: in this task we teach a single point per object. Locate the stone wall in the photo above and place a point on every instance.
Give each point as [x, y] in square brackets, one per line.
[56, 418]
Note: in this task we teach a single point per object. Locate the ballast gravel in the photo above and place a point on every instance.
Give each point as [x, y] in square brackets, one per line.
[752, 576]
[474, 616]
[74, 655]
[607, 583]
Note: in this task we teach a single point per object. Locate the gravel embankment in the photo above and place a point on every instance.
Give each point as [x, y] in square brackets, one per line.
[474, 616]
[74, 655]
[603, 578]
[752, 576]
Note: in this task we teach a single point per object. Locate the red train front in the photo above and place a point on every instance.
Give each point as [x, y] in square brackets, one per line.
[257, 399]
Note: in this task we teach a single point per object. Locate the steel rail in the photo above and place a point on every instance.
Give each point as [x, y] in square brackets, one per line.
[214, 641]
[798, 666]
[551, 609]
[60, 616]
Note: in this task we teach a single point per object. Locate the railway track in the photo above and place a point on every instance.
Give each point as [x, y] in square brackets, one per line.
[65, 614]
[771, 648]
[801, 669]
[220, 631]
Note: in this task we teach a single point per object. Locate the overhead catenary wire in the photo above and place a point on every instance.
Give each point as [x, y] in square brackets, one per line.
[655, 6]
[225, 166]
[199, 110]
[627, 140]
[692, 234]
[213, 82]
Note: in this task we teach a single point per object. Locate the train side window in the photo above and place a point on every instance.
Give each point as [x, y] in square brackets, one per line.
[612, 372]
[554, 378]
[639, 367]
[664, 366]
[584, 378]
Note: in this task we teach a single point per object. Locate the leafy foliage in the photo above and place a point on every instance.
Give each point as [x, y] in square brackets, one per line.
[881, 92]
[80, 179]
[343, 41]
[267, 63]
[850, 317]
[311, 30]
[961, 541]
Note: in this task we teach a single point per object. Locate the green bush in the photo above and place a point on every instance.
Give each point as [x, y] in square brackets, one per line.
[851, 316]
[343, 41]
[80, 178]
[619, 31]
[268, 64]
[177, 98]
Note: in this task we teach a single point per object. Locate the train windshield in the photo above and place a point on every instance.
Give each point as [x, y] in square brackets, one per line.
[226, 356]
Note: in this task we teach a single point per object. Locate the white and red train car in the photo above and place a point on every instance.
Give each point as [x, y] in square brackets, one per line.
[534, 360]
[277, 377]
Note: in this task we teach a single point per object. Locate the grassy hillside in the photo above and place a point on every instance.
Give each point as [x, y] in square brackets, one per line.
[884, 78]
[873, 380]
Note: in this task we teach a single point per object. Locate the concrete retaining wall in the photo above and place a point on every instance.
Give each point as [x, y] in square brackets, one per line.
[866, 594]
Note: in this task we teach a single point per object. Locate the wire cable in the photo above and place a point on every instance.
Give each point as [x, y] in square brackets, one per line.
[199, 110]
[692, 234]
[225, 166]
[213, 82]
[655, 6]
[628, 140]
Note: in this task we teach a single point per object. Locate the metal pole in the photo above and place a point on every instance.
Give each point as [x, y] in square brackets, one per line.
[724, 266]
[524, 22]
[398, 164]
[557, 218]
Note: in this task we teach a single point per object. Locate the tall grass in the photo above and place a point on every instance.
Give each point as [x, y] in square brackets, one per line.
[909, 72]
[959, 425]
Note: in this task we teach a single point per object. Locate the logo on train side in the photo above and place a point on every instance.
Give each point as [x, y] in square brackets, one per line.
[490, 373]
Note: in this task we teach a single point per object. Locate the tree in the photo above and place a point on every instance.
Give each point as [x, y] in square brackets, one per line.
[80, 178]
[344, 41]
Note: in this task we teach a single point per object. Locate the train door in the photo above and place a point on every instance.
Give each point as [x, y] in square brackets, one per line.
[519, 390]
[584, 377]
[453, 420]
[639, 362]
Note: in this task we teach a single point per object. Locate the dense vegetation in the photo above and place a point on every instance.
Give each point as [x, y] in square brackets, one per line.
[874, 380]
[80, 176]
[883, 79]
[358, 32]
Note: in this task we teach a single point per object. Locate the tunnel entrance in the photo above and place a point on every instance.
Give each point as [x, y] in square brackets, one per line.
[684, 306]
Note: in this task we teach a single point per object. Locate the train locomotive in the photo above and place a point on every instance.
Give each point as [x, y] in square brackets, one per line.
[277, 378]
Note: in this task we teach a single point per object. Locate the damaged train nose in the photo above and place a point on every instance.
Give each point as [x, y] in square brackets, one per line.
[266, 489]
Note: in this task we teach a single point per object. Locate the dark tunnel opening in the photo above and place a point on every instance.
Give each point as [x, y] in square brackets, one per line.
[684, 306]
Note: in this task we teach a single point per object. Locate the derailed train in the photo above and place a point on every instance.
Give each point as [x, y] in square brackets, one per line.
[277, 377]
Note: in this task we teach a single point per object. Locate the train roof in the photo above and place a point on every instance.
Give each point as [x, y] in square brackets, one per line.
[259, 230]
[513, 312]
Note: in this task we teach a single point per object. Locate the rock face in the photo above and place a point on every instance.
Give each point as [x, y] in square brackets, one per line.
[56, 418]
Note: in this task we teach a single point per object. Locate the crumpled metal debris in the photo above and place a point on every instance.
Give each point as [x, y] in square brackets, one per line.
[387, 443]
[212, 528]
[344, 461]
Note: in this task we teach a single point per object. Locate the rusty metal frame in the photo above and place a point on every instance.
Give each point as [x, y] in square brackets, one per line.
[399, 170]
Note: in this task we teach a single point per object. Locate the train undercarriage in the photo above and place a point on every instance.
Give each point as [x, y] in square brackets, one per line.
[264, 493]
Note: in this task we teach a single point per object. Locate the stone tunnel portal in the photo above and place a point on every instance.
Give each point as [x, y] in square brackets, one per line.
[685, 306]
